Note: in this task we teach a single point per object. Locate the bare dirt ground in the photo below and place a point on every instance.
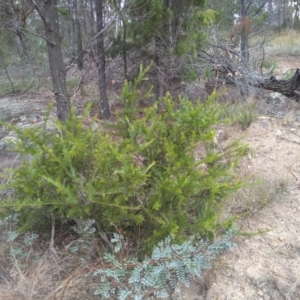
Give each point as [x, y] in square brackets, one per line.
[285, 64]
[265, 264]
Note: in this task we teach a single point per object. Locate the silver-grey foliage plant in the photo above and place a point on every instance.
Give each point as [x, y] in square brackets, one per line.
[157, 276]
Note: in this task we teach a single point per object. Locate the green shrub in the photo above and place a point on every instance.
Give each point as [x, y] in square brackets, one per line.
[21, 86]
[138, 175]
[77, 172]
[190, 76]
[242, 113]
[246, 118]
[73, 83]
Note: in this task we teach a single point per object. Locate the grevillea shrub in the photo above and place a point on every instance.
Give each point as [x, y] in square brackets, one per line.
[138, 175]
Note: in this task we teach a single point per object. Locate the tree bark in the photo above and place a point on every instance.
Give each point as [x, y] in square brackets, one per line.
[92, 19]
[124, 48]
[159, 70]
[49, 15]
[78, 37]
[270, 7]
[244, 33]
[104, 106]
[20, 44]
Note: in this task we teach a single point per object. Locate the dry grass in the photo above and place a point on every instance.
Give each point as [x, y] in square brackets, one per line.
[294, 287]
[258, 193]
[243, 113]
[50, 278]
[286, 43]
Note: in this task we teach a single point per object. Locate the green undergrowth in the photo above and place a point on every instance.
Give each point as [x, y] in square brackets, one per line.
[138, 176]
[286, 44]
[241, 113]
[17, 87]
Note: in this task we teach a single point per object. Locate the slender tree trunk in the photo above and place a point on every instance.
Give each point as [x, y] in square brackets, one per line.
[159, 70]
[18, 25]
[270, 7]
[49, 15]
[84, 8]
[92, 32]
[168, 54]
[104, 106]
[283, 14]
[244, 34]
[279, 17]
[124, 49]
[78, 37]
[70, 31]
[20, 44]
[296, 14]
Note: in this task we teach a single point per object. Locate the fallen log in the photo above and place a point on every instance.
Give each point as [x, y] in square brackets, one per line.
[289, 88]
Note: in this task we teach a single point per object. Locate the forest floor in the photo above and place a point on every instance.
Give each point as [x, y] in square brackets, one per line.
[265, 264]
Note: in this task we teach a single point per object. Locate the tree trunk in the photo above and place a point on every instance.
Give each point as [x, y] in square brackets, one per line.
[92, 19]
[15, 19]
[57, 67]
[20, 44]
[78, 38]
[244, 33]
[296, 14]
[69, 31]
[169, 46]
[101, 61]
[270, 7]
[124, 48]
[284, 13]
[159, 70]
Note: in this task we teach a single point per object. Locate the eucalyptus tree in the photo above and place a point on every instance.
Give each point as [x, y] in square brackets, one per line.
[87, 10]
[286, 13]
[48, 11]
[245, 29]
[14, 16]
[296, 13]
[70, 18]
[79, 56]
[282, 12]
[94, 28]
[101, 63]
